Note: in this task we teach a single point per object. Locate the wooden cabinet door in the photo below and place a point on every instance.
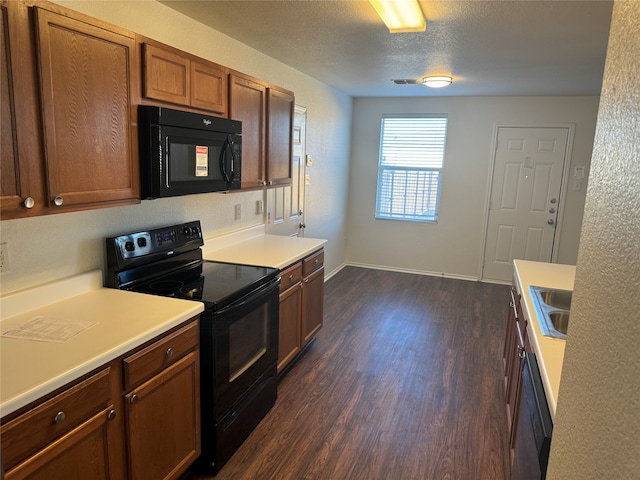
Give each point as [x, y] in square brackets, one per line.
[83, 453]
[163, 422]
[514, 380]
[247, 103]
[289, 333]
[10, 179]
[280, 107]
[209, 87]
[166, 76]
[22, 188]
[312, 304]
[86, 84]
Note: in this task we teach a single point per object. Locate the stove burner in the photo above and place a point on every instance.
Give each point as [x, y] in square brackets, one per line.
[165, 285]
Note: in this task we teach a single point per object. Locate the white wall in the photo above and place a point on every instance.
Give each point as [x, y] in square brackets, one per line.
[453, 246]
[46, 248]
[597, 422]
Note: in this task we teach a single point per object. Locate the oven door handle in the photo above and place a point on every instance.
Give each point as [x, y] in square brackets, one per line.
[255, 296]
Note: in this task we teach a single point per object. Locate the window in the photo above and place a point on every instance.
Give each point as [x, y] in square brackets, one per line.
[410, 167]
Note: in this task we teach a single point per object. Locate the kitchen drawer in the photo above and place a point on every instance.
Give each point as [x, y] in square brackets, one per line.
[41, 425]
[290, 276]
[312, 262]
[157, 356]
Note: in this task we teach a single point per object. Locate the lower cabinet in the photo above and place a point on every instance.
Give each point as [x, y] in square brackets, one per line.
[527, 432]
[301, 306]
[137, 417]
[72, 435]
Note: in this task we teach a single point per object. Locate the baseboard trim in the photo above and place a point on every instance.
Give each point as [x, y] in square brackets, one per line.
[415, 272]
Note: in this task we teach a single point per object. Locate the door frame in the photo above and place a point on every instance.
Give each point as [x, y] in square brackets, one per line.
[563, 185]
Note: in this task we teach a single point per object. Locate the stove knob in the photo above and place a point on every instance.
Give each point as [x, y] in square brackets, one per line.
[129, 246]
[194, 231]
[142, 242]
[186, 231]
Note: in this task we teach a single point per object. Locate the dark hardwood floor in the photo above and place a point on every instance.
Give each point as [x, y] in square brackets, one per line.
[404, 381]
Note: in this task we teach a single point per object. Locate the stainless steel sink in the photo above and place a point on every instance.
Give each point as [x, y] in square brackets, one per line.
[556, 298]
[553, 309]
[560, 321]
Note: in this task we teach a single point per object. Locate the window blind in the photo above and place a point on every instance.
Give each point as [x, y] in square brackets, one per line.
[410, 167]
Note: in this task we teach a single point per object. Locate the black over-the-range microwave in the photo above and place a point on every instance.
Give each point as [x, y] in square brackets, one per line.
[182, 152]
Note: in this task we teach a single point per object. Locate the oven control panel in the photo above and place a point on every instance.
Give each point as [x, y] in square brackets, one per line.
[137, 248]
[144, 243]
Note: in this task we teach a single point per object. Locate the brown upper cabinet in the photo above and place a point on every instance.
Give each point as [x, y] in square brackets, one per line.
[266, 113]
[248, 104]
[172, 76]
[280, 106]
[69, 85]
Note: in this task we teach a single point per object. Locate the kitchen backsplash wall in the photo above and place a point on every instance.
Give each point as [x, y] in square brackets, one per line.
[42, 249]
[45, 248]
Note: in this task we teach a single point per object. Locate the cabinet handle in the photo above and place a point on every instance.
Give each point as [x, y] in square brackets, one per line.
[59, 418]
[169, 352]
[58, 200]
[512, 304]
[521, 352]
[316, 261]
[291, 277]
[111, 415]
[29, 202]
[134, 398]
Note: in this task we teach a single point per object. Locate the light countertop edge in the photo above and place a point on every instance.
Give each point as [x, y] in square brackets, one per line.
[263, 250]
[549, 351]
[125, 320]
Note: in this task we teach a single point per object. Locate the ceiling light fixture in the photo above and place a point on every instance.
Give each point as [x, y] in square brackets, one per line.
[400, 16]
[437, 82]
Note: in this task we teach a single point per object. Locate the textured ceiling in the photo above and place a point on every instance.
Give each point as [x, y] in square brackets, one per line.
[504, 47]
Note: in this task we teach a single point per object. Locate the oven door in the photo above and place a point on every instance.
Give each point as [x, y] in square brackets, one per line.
[239, 346]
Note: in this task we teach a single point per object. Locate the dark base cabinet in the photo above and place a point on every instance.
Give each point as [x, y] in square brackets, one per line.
[528, 417]
[533, 436]
[301, 308]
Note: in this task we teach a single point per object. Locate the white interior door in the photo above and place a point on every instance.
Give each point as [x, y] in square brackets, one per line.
[525, 197]
[285, 205]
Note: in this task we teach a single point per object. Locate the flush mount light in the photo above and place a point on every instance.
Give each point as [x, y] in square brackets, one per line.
[400, 16]
[436, 82]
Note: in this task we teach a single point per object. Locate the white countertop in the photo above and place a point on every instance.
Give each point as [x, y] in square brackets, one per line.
[254, 247]
[549, 351]
[30, 369]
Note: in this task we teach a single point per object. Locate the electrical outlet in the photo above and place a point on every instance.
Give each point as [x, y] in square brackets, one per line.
[238, 211]
[4, 257]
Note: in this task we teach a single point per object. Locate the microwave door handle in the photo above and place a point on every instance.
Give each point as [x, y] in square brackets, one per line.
[223, 166]
[233, 159]
[227, 176]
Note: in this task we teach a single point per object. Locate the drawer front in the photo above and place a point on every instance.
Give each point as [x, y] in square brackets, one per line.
[157, 356]
[312, 262]
[38, 427]
[290, 276]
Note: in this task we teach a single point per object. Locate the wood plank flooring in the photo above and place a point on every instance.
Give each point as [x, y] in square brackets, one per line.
[403, 382]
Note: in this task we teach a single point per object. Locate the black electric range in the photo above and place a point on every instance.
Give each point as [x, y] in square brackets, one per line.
[238, 328]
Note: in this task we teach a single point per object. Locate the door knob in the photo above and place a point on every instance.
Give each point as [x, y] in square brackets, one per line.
[552, 210]
[550, 221]
[553, 200]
